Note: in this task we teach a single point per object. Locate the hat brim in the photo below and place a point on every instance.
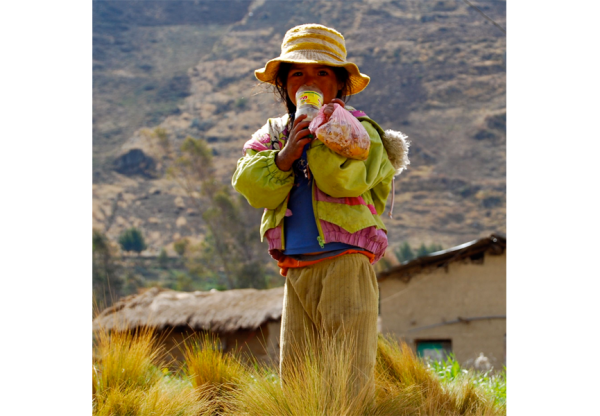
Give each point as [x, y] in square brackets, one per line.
[358, 81]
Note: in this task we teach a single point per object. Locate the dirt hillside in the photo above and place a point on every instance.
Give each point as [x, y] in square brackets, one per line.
[438, 74]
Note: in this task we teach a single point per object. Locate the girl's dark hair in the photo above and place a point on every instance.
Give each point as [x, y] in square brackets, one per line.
[280, 83]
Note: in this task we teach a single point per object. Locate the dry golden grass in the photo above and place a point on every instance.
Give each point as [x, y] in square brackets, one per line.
[213, 373]
[162, 398]
[128, 380]
[127, 359]
[318, 383]
[405, 386]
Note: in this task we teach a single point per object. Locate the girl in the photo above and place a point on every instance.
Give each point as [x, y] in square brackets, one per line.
[322, 210]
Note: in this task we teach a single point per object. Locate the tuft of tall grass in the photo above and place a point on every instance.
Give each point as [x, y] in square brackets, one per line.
[319, 382]
[127, 381]
[126, 359]
[213, 373]
[159, 399]
[407, 386]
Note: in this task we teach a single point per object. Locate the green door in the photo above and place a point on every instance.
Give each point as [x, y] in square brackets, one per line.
[436, 350]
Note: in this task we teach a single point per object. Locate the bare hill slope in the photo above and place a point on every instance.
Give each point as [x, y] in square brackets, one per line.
[437, 74]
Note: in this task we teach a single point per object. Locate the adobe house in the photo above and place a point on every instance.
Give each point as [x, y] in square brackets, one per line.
[246, 320]
[450, 301]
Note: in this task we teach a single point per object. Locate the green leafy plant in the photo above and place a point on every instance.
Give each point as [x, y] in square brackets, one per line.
[132, 240]
[450, 370]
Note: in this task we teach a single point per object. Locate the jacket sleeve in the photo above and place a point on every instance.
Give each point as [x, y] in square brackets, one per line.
[262, 183]
[341, 177]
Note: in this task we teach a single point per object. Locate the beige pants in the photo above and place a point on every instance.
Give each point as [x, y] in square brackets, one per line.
[336, 298]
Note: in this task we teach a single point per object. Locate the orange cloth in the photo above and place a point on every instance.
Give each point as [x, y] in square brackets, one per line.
[286, 262]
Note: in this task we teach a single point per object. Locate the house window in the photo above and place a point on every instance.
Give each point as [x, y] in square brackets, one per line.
[437, 349]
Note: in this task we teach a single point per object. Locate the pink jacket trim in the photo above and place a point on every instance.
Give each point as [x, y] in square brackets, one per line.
[258, 145]
[369, 238]
[349, 200]
[358, 113]
[274, 239]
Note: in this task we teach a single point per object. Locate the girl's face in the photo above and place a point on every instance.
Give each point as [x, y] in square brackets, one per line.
[315, 75]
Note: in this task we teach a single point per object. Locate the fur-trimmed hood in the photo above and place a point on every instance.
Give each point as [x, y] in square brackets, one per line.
[396, 145]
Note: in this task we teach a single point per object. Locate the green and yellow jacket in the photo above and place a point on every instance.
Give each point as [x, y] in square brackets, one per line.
[349, 196]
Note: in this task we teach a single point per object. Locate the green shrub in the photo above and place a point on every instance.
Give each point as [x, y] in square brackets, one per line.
[241, 103]
[406, 253]
[180, 246]
[163, 259]
[132, 240]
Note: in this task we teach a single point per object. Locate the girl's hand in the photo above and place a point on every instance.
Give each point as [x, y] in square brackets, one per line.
[329, 108]
[298, 138]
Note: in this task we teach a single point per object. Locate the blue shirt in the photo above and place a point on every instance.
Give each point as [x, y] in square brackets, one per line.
[300, 229]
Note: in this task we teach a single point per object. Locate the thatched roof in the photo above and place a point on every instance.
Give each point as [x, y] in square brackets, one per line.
[225, 311]
[473, 250]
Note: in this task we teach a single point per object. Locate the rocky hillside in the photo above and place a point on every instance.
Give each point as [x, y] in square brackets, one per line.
[438, 74]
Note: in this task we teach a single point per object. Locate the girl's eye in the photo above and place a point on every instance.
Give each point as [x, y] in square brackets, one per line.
[297, 74]
[323, 73]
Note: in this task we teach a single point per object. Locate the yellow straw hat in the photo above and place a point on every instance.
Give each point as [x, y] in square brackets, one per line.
[314, 44]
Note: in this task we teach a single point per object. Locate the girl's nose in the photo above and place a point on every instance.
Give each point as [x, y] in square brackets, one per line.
[309, 80]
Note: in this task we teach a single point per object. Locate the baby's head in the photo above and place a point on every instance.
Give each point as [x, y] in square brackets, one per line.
[315, 55]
